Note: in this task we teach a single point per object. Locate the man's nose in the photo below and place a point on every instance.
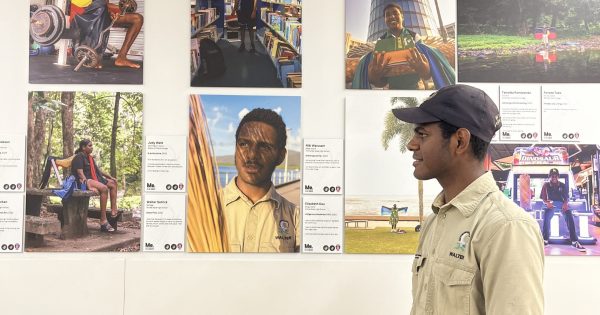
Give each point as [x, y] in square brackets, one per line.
[251, 152]
[412, 145]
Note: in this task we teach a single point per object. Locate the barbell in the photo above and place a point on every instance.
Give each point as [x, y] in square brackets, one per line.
[47, 24]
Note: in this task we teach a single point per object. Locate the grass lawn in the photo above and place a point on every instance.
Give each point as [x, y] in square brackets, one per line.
[495, 42]
[381, 241]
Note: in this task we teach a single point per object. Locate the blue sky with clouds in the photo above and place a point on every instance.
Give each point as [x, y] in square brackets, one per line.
[224, 112]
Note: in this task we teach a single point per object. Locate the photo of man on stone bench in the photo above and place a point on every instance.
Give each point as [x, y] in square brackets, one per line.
[69, 184]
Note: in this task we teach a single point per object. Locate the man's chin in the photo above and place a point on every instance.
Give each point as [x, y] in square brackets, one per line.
[419, 176]
[251, 179]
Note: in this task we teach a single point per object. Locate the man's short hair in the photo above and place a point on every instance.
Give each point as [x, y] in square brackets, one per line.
[393, 5]
[478, 146]
[268, 117]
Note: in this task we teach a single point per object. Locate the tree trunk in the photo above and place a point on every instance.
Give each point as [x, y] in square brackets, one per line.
[68, 99]
[50, 134]
[39, 135]
[30, 140]
[113, 138]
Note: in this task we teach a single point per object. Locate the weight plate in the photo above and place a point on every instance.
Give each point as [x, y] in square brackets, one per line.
[84, 51]
[40, 22]
[47, 25]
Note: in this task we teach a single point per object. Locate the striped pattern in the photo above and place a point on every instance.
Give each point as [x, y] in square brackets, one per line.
[206, 230]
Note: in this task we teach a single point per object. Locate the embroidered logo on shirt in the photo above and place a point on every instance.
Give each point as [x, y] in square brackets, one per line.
[464, 238]
[284, 227]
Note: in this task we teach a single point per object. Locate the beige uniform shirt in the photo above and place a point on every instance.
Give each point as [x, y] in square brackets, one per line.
[272, 224]
[478, 254]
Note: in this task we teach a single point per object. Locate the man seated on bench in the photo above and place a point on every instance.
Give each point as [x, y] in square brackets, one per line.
[87, 172]
[94, 16]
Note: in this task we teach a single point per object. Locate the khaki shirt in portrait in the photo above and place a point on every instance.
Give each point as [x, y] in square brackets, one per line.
[478, 254]
[272, 224]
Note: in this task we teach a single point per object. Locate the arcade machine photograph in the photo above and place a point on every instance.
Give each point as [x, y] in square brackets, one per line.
[246, 43]
[553, 183]
[86, 41]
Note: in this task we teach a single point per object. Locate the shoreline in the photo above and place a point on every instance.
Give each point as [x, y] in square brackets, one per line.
[567, 44]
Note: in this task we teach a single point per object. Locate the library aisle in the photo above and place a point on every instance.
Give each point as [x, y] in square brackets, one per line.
[242, 68]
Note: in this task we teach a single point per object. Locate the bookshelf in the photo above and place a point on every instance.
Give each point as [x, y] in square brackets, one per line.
[199, 29]
[281, 36]
[207, 21]
[293, 3]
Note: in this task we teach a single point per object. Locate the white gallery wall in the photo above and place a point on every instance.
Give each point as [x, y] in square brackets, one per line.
[151, 283]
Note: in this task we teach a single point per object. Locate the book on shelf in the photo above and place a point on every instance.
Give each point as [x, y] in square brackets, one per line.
[288, 27]
[294, 80]
[210, 32]
[195, 55]
[202, 18]
[292, 2]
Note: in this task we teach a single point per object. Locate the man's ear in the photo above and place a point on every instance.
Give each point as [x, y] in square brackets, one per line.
[463, 138]
[281, 156]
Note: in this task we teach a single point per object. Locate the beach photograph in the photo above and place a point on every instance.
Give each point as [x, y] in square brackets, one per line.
[384, 203]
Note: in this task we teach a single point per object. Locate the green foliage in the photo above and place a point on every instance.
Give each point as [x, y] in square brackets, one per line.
[380, 241]
[128, 203]
[521, 17]
[92, 119]
[394, 128]
[495, 42]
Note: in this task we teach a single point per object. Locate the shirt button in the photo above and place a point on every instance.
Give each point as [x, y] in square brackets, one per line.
[443, 216]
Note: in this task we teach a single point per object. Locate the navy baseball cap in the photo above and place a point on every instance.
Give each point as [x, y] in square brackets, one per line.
[553, 171]
[459, 105]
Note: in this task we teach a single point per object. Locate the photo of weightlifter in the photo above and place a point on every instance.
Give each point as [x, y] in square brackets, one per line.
[86, 41]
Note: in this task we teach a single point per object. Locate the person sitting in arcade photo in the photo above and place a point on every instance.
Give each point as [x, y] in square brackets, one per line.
[556, 196]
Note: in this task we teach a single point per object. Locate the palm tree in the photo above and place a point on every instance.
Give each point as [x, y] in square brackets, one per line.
[396, 128]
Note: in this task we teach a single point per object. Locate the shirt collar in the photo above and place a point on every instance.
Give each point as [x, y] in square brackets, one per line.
[388, 34]
[469, 199]
[231, 193]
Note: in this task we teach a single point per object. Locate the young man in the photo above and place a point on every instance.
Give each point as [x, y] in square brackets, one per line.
[397, 37]
[556, 195]
[85, 169]
[257, 218]
[478, 252]
[94, 16]
[246, 12]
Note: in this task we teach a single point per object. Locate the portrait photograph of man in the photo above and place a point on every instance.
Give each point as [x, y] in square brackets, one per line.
[400, 44]
[244, 174]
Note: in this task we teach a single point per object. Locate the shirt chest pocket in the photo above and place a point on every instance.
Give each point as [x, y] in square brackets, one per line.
[452, 283]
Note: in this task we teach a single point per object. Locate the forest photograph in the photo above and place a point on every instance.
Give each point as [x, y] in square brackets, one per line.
[529, 41]
[84, 171]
